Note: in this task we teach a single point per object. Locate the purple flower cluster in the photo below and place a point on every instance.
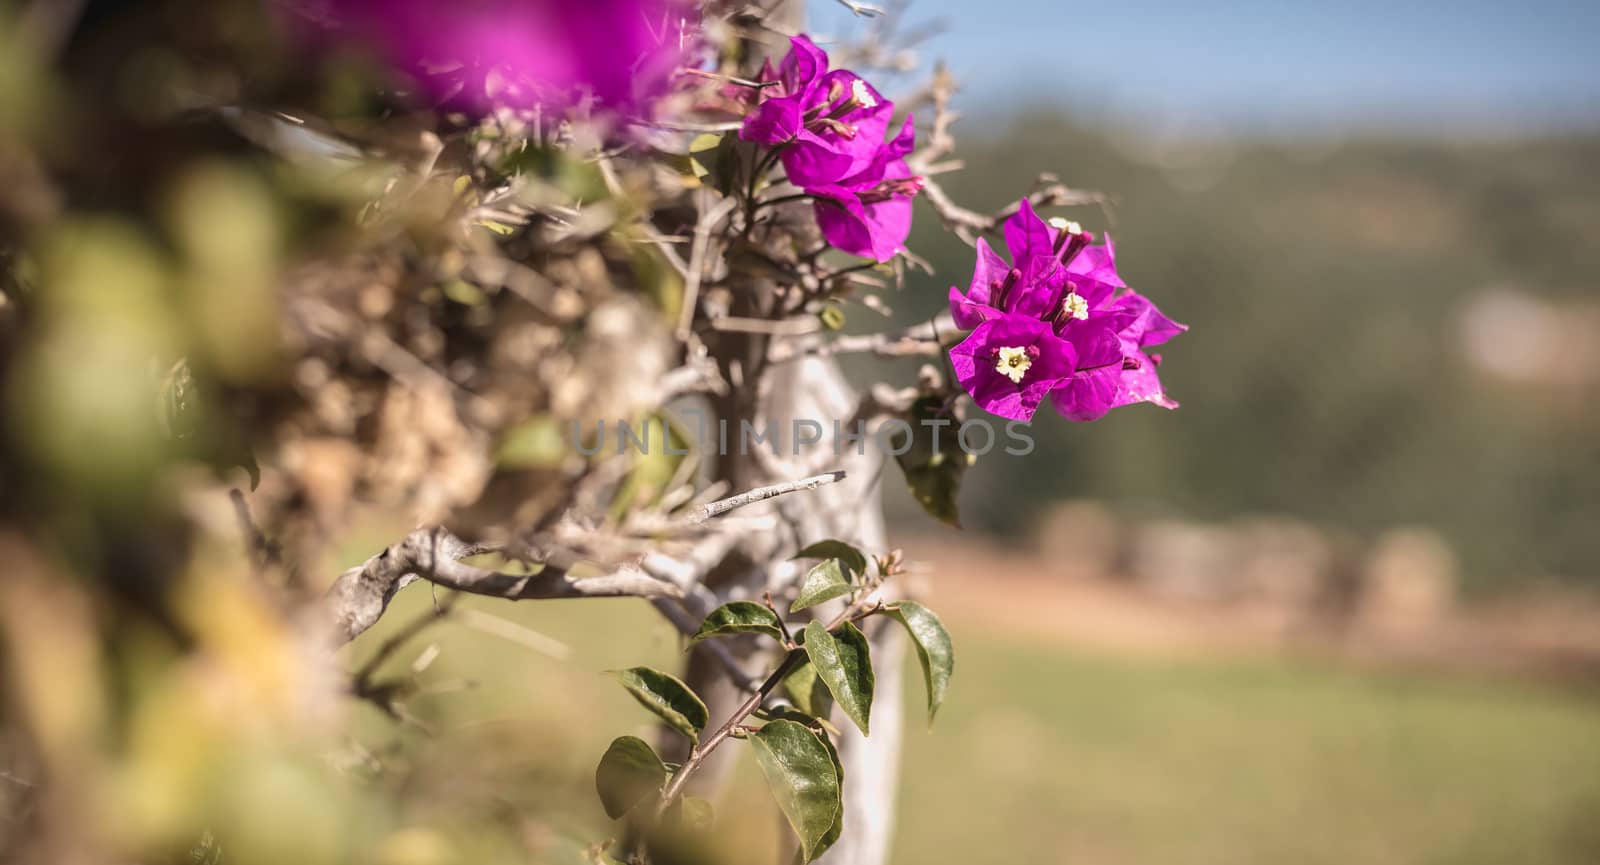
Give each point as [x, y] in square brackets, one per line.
[475, 54]
[828, 128]
[1056, 322]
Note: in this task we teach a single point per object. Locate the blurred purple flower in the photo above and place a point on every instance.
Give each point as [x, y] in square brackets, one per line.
[1010, 363]
[1072, 286]
[475, 54]
[828, 129]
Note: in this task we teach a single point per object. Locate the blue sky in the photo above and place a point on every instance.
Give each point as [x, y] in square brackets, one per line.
[1465, 65]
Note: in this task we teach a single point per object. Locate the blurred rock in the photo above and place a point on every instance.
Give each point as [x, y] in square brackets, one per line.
[1409, 583]
[1282, 563]
[1185, 561]
[1081, 540]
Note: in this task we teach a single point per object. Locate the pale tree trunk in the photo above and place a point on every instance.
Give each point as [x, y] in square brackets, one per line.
[809, 389]
[813, 389]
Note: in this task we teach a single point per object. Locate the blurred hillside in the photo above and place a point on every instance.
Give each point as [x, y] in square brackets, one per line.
[1384, 332]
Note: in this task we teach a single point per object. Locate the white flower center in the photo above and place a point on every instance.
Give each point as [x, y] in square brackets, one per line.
[859, 94]
[1074, 305]
[1013, 363]
[1066, 225]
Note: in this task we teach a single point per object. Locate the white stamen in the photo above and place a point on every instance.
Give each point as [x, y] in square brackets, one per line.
[859, 94]
[1013, 363]
[1066, 225]
[1074, 305]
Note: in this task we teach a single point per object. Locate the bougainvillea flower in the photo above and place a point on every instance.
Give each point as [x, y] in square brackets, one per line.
[869, 213]
[1044, 257]
[829, 124]
[475, 54]
[1098, 387]
[1059, 277]
[1009, 364]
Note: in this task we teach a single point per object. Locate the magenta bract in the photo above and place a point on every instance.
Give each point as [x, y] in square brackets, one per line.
[828, 128]
[1060, 279]
[476, 54]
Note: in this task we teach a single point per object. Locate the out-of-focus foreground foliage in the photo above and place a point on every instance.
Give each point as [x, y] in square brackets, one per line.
[194, 291]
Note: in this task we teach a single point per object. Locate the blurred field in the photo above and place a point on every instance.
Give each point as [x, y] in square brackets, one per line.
[1047, 751]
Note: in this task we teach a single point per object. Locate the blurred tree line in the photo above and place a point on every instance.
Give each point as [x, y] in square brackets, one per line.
[1325, 375]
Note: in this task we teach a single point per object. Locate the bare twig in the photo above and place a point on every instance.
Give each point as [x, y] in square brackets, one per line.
[861, 10]
[767, 326]
[729, 126]
[361, 594]
[698, 375]
[396, 641]
[709, 217]
[925, 339]
[759, 494]
[966, 223]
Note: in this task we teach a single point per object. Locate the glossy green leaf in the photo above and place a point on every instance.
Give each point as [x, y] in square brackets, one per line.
[741, 617]
[629, 772]
[830, 837]
[666, 696]
[807, 692]
[824, 582]
[852, 558]
[933, 649]
[844, 664]
[805, 781]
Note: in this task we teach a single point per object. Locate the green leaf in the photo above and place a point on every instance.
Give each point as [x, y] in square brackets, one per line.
[837, 829]
[653, 472]
[843, 664]
[822, 583]
[804, 779]
[807, 692]
[712, 160]
[831, 549]
[668, 697]
[702, 153]
[629, 772]
[932, 458]
[741, 617]
[933, 649]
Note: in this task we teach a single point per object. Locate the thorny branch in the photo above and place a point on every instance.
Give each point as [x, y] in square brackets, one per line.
[722, 506]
